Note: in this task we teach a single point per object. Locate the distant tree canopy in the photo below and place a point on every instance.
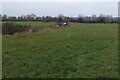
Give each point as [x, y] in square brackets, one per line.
[61, 18]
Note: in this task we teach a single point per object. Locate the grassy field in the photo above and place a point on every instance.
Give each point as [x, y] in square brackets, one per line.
[34, 23]
[78, 51]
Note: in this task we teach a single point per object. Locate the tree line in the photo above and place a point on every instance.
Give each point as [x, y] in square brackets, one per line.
[61, 18]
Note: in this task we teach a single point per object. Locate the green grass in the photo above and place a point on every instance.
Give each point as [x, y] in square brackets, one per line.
[78, 51]
[34, 23]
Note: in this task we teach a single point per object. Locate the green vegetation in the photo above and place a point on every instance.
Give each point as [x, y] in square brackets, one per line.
[78, 51]
[10, 28]
[34, 23]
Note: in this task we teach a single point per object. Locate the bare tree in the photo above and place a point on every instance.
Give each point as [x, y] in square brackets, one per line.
[101, 18]
[80, 18]
[60, 17]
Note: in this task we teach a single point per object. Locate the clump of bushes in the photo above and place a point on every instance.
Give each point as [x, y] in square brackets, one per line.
[12, 28]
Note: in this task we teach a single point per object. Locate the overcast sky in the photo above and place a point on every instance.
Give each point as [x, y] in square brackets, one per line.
[55, 8]
[59, 0]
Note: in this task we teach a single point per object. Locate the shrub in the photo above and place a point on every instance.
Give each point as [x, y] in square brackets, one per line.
[11, 28]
